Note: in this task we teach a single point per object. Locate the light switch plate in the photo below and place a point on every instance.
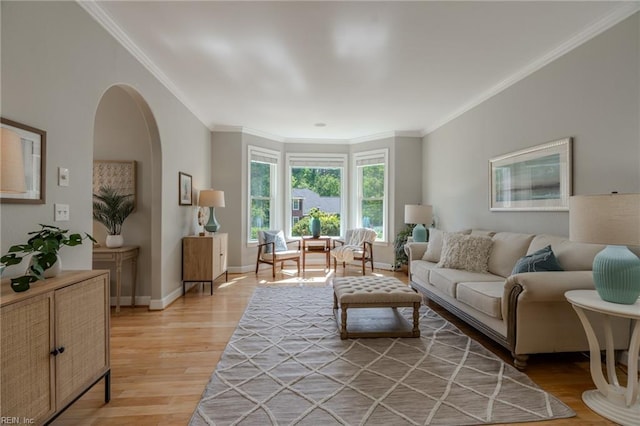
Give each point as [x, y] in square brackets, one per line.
[63, 176]
[61, 212]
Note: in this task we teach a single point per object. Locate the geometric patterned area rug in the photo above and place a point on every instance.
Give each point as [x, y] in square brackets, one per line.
[286, 365]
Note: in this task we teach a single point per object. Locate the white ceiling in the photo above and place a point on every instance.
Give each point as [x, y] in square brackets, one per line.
[362, 68]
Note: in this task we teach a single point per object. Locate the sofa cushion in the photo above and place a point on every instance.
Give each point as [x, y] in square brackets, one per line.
[508, 247]
[483, 296]
[434, 248]
[421, 268]
[571, 256]
[468, 252]
[446, 280]
[542, 260]
[482, 233]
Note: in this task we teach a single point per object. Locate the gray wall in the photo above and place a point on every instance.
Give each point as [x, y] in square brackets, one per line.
[591, 94]
[57, 62]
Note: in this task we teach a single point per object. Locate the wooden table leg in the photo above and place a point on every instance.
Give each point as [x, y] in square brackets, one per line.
[343, 325]
[118, 280]
[416, 319]
[134, 276]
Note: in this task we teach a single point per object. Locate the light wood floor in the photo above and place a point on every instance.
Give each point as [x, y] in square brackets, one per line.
[161, 360]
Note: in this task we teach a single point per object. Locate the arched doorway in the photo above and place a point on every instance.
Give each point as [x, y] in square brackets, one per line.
[125, 130]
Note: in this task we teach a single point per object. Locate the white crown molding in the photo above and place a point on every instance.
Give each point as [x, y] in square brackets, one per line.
[248, 131]
[107, 22]
[578, 39]
[318, 141]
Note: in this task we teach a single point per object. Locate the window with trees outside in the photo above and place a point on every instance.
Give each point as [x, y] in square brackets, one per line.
[317, 182]
[262, 195]
[371, 182]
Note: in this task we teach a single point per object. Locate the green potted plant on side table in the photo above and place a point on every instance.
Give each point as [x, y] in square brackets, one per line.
[111, 208]
[45, 262]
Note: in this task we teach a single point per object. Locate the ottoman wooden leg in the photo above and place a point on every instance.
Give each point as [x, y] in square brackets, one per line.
[343, 325]
[335, 301]
[416, 319]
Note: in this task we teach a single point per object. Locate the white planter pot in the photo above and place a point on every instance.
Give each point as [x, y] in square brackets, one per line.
[55, 269]
[114, 241]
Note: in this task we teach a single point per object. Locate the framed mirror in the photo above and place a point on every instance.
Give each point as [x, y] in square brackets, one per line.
[23, 167]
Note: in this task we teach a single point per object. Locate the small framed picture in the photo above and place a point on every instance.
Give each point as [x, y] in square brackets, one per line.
[185, 189]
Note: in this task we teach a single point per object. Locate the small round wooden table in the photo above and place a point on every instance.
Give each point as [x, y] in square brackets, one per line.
[618, 403]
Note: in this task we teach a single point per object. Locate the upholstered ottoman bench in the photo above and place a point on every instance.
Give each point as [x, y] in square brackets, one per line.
[381, 296]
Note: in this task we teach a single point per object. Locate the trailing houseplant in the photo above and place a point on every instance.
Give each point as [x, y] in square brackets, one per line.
[398, 245]
[44, 245]
[111, 208]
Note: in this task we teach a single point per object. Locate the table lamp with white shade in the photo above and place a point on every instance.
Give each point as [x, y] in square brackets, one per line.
[612, 219]
[211, 198]
[420, 215]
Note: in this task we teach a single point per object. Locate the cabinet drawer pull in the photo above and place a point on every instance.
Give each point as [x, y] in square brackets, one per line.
[57, 351]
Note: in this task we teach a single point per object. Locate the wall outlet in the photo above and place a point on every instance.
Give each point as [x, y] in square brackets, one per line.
[61, 212]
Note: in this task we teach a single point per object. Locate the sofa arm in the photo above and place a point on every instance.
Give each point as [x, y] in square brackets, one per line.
[415, 251]
[547, 286]
[526, 291]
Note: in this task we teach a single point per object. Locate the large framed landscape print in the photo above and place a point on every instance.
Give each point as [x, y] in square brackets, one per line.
[536, 178]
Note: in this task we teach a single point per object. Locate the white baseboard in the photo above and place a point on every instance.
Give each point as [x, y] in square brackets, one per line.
[126, 301]
[158, 305]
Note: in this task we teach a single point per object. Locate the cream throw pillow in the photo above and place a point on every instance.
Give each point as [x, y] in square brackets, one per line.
[468, 252]
[435, 246]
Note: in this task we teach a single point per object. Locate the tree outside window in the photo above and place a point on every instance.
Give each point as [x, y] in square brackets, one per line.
[262, 182]
[319, 191]
[372, 198]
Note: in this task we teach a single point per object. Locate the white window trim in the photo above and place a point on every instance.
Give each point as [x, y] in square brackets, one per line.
[377, 156]
[317, 160]
[273, 157]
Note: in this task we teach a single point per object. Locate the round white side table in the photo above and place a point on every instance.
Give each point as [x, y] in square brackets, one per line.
[618, 403]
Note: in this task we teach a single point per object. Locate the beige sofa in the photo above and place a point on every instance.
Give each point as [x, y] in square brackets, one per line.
[526, 312]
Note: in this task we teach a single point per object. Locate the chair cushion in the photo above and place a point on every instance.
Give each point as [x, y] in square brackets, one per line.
[281, 255]
[278, 238]
[539, 261]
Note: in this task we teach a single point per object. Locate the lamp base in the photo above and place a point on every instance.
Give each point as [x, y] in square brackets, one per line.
[212, 225]
[616, 274]
[419, 233]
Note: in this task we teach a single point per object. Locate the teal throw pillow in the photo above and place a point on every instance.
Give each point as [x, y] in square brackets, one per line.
[542, 260]
[278, 238]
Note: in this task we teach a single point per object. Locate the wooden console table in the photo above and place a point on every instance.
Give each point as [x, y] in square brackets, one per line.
[117, 256]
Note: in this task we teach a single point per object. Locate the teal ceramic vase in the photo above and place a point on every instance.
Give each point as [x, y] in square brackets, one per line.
[314, 227]
[616, 275]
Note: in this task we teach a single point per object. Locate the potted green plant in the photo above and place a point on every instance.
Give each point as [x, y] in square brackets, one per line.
[398, 245]
[45, 262]
[111, 208]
